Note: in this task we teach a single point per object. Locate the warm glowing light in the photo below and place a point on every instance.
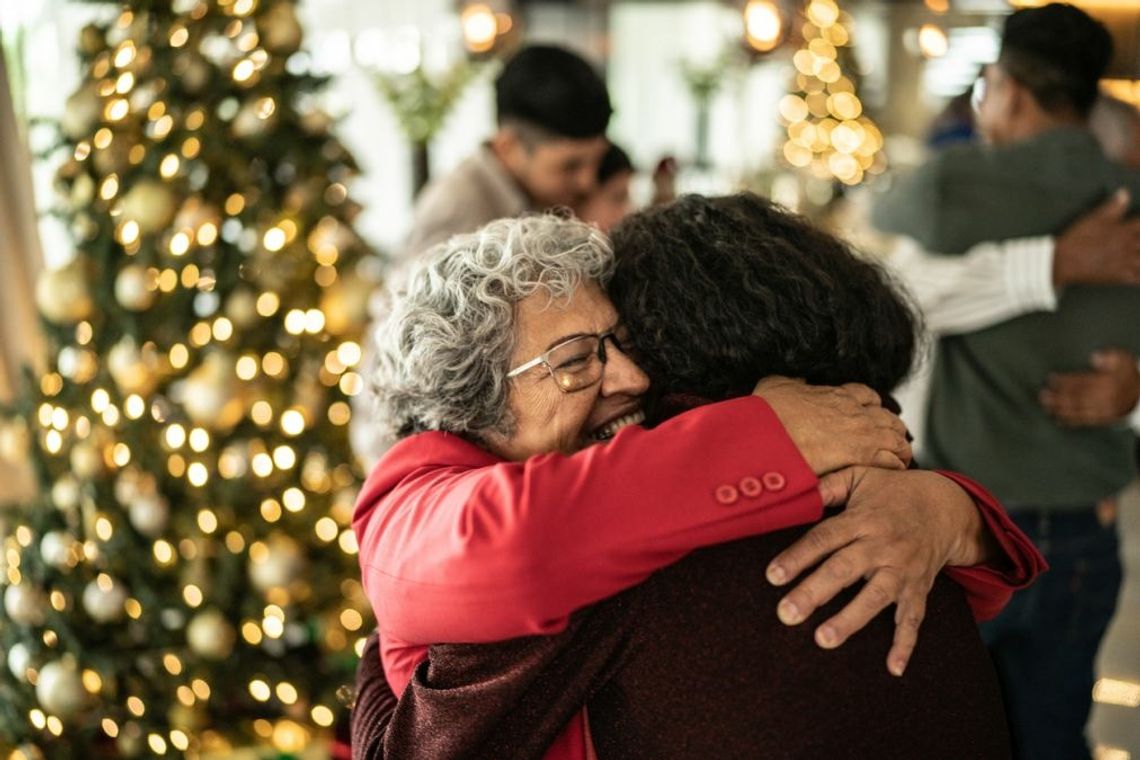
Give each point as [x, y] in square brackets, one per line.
[322, 716]
[294, 499]
[932, 41]
[480, 27]
[179, 37]
[172, 664]
[208, 521]
[246, 367]
[243, 70]
[116, 109]
[763, 26]
[175, 436]
[271, 510]
[1110, 691]
[157, 744]
[199, 440]
[339, 413]
[274, 239]
[292, 422]
[163, 552]
[179, 355]
[295, 322]
[136, 706]
[267, 304]
[823, 13]
[287, 693]
[197, 474]
[260, 690]
[180, 243]
[169, 166]
[192, 596]
[109, 187]
[326, 529]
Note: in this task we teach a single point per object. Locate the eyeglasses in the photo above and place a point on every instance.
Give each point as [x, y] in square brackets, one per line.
[575, 364]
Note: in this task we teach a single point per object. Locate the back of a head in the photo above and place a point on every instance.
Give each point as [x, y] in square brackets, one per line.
[1059, 53]
[719, 292]
[555, 90]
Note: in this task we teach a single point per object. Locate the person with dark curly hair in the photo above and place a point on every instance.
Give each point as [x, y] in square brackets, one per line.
[692, 663]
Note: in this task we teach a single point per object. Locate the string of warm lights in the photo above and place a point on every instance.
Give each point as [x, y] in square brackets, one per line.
[195, 521]
[827, 131]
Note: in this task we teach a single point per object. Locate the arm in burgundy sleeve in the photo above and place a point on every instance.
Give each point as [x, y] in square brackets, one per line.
[374, 705]
[990, 586]
[511, 549]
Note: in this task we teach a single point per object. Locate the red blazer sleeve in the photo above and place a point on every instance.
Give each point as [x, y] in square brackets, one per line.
[990, 586]
[471, 554]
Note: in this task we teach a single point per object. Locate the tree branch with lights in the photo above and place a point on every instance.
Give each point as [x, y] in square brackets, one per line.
[184, 583]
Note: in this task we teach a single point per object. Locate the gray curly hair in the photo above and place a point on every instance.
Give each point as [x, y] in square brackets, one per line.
[444, 347]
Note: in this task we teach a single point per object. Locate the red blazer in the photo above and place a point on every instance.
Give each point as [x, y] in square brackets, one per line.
[457, 545]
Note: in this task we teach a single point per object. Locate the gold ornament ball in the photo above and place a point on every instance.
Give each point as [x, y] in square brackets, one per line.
[133, 370]
[65, 493]
[241, 308]
[283, 565]
[77, 364]
[103, 604]
[81, 113]
[25, 604]
[209, 394]
[60, 690]
[55, 549]
[210, 635]
[82, 190]
[149, 514]
[19, 660]
[62, 294]
[151, 204]
[114, 158]
[86, 460]
[131, 289]
[248, 124]
[280, 29]
[91, 39]
[345, 305]
[26, 752]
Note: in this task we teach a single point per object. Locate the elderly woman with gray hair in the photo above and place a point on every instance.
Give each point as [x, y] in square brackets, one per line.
[521, 487]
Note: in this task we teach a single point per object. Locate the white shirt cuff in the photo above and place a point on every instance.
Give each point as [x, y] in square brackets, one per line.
[1029, 273]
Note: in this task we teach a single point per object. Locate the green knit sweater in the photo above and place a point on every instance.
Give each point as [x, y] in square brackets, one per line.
[984, 418]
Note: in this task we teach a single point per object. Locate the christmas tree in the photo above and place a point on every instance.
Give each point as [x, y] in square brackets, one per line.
[184, 583]
[827, 131]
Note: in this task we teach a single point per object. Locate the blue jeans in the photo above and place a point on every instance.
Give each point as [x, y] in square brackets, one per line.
[1044, 643]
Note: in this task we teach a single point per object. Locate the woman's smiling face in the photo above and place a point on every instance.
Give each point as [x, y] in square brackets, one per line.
[545, 418]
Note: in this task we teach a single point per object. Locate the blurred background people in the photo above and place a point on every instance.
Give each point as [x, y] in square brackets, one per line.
[610, 201]
[1037, 405]
[552, 109]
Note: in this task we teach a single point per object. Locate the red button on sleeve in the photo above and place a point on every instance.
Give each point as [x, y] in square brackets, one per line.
[751, 487]
[727, 495]
[774, 481]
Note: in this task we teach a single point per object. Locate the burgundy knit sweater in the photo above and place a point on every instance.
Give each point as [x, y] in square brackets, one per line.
[693, 663]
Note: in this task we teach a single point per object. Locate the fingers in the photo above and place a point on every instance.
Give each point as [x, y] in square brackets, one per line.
[909, 615]
[881, 591]
[1111, 360]
[835, 488]
[888, 460]
[826, 537]
[863, 394]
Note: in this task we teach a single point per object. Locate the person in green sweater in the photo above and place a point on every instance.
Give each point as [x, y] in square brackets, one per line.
[1006, 399]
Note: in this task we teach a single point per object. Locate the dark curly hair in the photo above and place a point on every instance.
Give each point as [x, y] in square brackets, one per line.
[720, 292]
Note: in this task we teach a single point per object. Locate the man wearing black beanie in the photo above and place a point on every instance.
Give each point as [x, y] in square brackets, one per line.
[552, 109]
[1036, 404]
